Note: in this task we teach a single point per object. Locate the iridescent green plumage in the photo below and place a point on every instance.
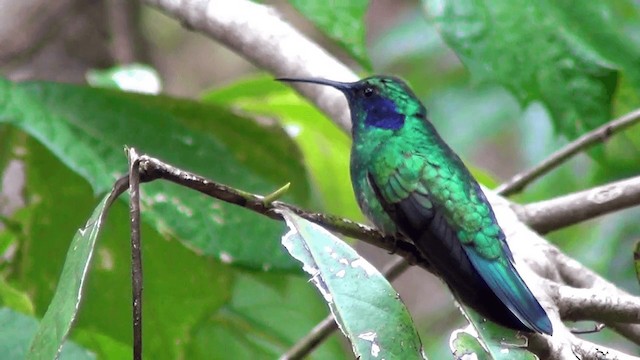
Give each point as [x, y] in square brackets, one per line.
[407, 180]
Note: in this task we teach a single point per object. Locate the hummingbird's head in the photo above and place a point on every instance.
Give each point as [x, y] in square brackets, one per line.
[382, 102]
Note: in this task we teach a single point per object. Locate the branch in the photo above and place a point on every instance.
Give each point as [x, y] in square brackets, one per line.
[598, 135]
[548, 215]
[573, 347]
[587, 350]
[257, 33]
[549, 262]
[577, 275]
[580, 304]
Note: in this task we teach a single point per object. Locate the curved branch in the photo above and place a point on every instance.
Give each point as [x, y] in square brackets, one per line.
[257, 33]
[598, 135]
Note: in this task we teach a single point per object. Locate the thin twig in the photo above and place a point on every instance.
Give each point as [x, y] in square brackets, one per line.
[328, 325]
[136, 254]
[598, 135]
[314, 337]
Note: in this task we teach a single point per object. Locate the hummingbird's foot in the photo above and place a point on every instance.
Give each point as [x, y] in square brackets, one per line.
[394, 241]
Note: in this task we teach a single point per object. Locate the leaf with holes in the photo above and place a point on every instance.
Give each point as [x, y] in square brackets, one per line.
[490, 340]
[367, 309]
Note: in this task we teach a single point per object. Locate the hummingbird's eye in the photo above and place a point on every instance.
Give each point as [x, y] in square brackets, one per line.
[368, 91]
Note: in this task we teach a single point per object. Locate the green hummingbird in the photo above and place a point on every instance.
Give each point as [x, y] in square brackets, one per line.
[407, 180]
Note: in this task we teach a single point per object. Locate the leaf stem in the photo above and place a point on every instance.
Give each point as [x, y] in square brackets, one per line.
[270, 198]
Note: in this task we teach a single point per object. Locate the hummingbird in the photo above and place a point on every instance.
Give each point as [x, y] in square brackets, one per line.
[408, 181]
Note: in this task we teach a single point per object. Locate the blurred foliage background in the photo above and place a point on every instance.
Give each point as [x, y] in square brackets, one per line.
[506, 84]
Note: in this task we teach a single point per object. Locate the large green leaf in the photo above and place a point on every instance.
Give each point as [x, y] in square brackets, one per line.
[367, 309]
[267, 314]
[181, 288]
[342, 21]
[16, 332]
[14, 299]
[88, 128]
[566, 54]
[325, 147]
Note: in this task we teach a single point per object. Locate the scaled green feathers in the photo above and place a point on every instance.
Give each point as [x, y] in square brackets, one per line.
[407, 180]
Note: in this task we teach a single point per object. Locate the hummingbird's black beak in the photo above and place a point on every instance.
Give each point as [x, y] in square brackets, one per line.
[342, 86]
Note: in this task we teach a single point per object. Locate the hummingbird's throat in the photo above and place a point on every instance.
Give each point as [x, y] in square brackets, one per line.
[382, 113]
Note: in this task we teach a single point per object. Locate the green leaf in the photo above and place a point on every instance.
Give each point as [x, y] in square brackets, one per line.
[575, 62]
[267, 314]
[16, 331]
[498, 342]
[105, 347]
[56, 323]
[134, 77]
[14, 299]
[463, 343]
[88, 128]
[368, 310]
[342, 21]
[181, 288]
[325, 147]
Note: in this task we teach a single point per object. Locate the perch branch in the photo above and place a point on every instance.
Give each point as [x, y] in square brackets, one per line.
[152, 169]
[598, 135]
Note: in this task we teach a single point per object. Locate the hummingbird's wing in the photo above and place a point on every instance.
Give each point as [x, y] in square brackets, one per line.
[447, 203]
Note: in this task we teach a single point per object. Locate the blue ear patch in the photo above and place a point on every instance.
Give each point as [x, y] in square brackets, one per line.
[382, 113]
